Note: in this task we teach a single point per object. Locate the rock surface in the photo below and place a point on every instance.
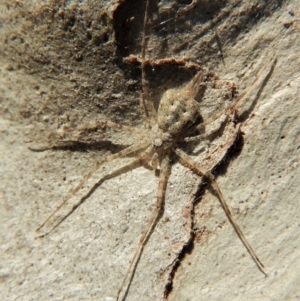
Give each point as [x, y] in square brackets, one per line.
[62, 65]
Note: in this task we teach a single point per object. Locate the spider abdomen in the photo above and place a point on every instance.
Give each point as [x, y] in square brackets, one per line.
[177, 111]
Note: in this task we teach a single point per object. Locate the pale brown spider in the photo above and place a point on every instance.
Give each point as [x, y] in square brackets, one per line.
[166, 131]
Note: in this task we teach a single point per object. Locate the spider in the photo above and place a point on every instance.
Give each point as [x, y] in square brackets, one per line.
[167, 130]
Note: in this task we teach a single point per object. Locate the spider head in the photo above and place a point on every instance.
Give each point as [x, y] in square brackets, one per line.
[161, 139]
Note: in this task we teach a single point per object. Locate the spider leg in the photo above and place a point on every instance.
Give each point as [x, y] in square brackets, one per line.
[257, 85]
[199, 137]
[141, 160]
[147, 108]
[211, 132]
[163, 180]
[198, 169]
[122, 153]
[192, 87]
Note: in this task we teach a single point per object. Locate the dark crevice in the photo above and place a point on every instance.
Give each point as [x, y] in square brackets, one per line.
[189, 246]
[233, 152]
[187, 249]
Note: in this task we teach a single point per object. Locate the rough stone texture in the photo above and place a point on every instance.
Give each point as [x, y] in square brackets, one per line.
[62, 64]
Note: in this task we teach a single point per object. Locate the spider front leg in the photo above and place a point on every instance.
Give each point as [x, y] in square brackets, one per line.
[163, 181]
[198, 169]
[146, 105]
[256, 86]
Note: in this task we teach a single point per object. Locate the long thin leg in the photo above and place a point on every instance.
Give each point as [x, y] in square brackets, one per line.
[146, 104]
[212, 132]
[122, 153]
[198, 169]
[192, 87]
[201, 136]
[257, 85]
[163, 180]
